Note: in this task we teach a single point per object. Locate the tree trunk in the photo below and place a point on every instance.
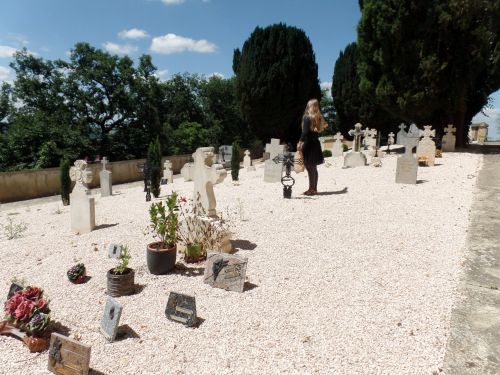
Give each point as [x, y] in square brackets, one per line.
[459, 123]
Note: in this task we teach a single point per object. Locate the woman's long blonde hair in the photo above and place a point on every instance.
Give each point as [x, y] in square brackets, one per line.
[318, 122]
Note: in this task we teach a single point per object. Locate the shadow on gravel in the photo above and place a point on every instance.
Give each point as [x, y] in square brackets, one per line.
[343, 191]
[421, 181]
[181, 269]
[59, 328]
[126, 332]
[95, 372]
[104, 226]
[138, 288]
[243, 245]
[249, 286]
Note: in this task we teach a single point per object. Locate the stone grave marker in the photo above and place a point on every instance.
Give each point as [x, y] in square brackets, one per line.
[449, 139]
[401, 134]
[225, 271]
[407, 165]
[273, 171]
[105, 177]
[186, 172]
[114, 251]
[111, 319]
[205, 175]
[355, 158]
[426, 147]
[224, 157]
[82, 206]
[67, 356]
[168, 175]
[181, 309]
[247, 160]
[371, 138]
[14, 287]
[338, 147]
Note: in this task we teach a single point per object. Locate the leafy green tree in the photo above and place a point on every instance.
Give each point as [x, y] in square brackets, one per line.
[328, 111]
[189, 136]
[430, 61]
[351, 105]
[154, 158]
[276, 74]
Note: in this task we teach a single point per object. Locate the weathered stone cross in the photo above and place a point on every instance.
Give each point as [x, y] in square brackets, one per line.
[81, 175]
[450, 130]
[391, 138]
[357, 133]
[104, 161]
[427, 133]
[338, 137]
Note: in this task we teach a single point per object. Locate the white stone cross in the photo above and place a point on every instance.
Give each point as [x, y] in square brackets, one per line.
[104, 161]
[410, 141]
[372, 133]
[205, 175]
[274, 148]
[427, 133]
[247, 161]
[81, 175]
[390, 141]
[167, 171]
[357, 133]
[338, 137]
[450, 129]
[401, 134]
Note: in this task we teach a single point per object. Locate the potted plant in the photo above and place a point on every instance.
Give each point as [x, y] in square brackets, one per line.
[77, 273]
[121, 278]
[27, 316]
[191, 230]
[161, 255]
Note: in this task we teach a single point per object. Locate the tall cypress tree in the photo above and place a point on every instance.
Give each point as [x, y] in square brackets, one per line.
[154, 158]
[276, 74]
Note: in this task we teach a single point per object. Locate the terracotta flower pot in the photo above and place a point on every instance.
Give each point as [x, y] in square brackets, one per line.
[160, 261]
[120, 284]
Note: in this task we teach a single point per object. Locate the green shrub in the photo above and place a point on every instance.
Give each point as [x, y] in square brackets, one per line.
[344, 147]
[154, 157]
[256, 149]
[327, 153]
[235, 161]
[65, 180]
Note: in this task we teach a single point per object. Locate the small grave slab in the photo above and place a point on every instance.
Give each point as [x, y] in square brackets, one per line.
[225, 271]
[114, 251]
[181, 309]
[13, 289]
[111, 319]
[67, 356]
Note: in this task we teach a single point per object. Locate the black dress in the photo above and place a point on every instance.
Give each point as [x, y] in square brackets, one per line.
[311, 148]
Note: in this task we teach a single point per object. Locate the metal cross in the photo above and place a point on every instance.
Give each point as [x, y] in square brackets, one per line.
[287, 180]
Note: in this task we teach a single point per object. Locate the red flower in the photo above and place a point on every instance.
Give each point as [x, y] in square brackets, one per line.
[23, 311]
[13, 302]
[41, 304]
[183, 199]
[32, 293]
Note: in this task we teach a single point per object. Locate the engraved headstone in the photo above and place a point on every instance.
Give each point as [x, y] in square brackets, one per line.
[181, 309]
[105, 177]
[111, 319]
[82, 207]
[426, 147]
[449, 139]
[186, 171]
[401, 134]
[114, 251]
[14, 287]
[247, 160]
[225, 271]
[205, 175]
[355, 158]
[407, 165]
[338, 147]
[67, 356]
[272, 170]
[168, 175]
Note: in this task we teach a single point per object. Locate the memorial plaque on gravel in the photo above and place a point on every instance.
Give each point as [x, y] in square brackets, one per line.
[111, 319]
[13, 289]
[67, 356]
[181, 309]
[225, 271]
[114, 251]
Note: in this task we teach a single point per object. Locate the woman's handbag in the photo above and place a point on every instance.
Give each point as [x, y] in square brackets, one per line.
[298, 162]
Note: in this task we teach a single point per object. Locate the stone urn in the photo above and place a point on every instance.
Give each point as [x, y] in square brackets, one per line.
[160, 261]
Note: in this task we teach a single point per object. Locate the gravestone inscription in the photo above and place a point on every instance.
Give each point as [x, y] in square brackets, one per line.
[67, 356]
[225, 271]
[111, 319]
[181, 309]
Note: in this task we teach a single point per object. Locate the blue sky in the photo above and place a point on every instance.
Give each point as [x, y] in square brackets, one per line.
[195, 36]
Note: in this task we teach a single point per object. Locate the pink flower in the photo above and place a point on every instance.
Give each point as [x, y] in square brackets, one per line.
[23, 311]
[183, 199]
[32, 293]
[13, 302]
[41, 304]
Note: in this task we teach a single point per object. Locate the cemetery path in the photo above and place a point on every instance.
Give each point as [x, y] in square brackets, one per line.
[474, 344]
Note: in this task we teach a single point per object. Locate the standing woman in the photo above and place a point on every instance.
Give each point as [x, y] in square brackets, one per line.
[312, 124]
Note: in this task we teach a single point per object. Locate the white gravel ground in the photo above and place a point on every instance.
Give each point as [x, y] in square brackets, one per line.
[360, 282]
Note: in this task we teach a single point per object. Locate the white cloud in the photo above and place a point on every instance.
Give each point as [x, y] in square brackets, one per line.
[133, 34]
[119, 49]
[6, 74]
[216, 74]
[172, 2]
[171, 43]
[162, 74]
[6, 51]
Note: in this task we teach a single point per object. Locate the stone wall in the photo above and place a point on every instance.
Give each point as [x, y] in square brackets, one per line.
[29, 184]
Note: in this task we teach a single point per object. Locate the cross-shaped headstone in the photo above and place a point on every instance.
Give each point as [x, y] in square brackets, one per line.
[338, 137]
[357, 133]
[81, 175]
[274, 148]
[411, 140]
[247, 161]
[427, 133]
[450, 129]
[104, 161]
[390, 140]
[401, 134]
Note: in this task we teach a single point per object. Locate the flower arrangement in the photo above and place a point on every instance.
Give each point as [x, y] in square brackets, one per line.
[77, 273]
[164, 221]
[28, 310]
